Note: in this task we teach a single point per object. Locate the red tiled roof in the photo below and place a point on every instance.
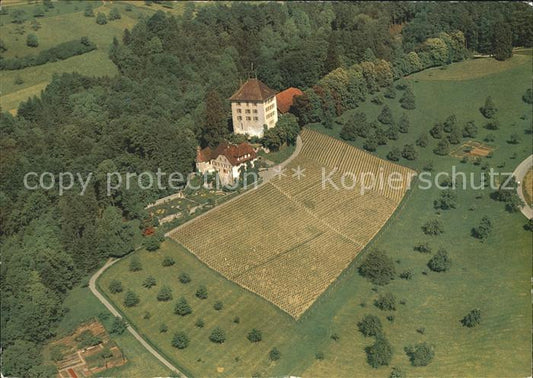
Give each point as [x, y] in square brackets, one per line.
[253, 90]
[285, 98]
[236, 154]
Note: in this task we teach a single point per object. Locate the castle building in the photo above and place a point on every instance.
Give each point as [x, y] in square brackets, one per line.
[226, 159]
[252, 107]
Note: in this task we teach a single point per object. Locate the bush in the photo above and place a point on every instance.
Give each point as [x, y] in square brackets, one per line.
[380, 353]
[101, 18]
[493, 124]
[168, 261]
[440, 262]
[149, 282]
[528, 96]
[147, 315]
[236, 320]
[370, 325]
[514, 139]
[447, 200]
[423, 247]
[482, 231]
[422, 141]
[420, 354]
[378, 268]
[408, 99]
[180, 340]
[184, 278]
[182, 307]
[403, 124]
[163, 328]
[32, 41]
[409, 152]
[115, 287]
[152, 242]
[88, 11]
[349, 131]
[390, 92]
[394, 154]
[386, 302]
[450, 123]
[118, 326]
[432, 227]
[470, 130]
[472, 319]
[437, 131]
[201, 292]
[131, 299]
[274, 354]
[217, 335]
[443, 148]
[199, 323]
[406, 275]
[135, 264]
[371, 144]
[397, 373]
[255, 335]
[385, 116]
[165, 294]
[218, 305]
[489, 109]
[114, 14]
[319, 356]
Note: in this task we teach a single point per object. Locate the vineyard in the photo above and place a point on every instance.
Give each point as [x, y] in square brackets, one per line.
[288, 240]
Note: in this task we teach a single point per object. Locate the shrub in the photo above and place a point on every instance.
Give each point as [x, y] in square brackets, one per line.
[180, 340]
[149, 282]
[455, 136]
[319, 356]
[163, 328]
[274, 354]
[131, 299]
[489, 109]
[394, 154]
[217, 335]
[482, 231]
[403, 124]
[349, 131]
[236, 320]
[378, 268]
[390, 92]
[115, 287]
[392, 133]
[218, 305]
[385, 116]
[386, 302]
[443, 148]
[152, 242]
[255, 335]
[422, 141]
[437, 131]
[406, 275]
[32, 41]
[514, 139]
[420, 354]
[88, 11]
[472, 319]
[492, 124]
[423, 247]
[182, 307]
[370, 325]
[380, 353]
[397, 373]
[409, 152]
[114, 14]
[118, 326]
[168, 261]
[408, 99]
[199, 323]
[147, 315]
[378, 99]
[371, 144]
[528, 96]
[432, 227]
[135, 264]
[101, 18]
[450, 123]
[447, 200]
[165, 294]
[335, 337]
[440, 262]
[87, 339]
[470, 130]
[184, 278]
[201, 292]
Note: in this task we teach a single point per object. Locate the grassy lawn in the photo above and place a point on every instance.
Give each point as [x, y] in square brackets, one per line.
[83, 306]
[69, 24]
[278, 156]
[491, 276]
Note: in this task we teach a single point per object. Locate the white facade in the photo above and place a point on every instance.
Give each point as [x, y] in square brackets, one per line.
[249, 117]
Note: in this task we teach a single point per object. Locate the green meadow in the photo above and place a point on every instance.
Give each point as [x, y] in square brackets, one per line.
[491, 276]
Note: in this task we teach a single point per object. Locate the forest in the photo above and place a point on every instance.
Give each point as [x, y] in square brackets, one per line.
[175, 75]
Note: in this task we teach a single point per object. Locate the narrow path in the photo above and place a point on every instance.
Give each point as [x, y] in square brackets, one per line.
[266, 176]
[109, 306]
[519, 174]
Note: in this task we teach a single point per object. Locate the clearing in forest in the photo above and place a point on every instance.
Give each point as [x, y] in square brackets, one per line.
[289, 239]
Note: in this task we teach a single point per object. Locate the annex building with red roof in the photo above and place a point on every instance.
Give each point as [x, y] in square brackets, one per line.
[226, 159]
[285, 99]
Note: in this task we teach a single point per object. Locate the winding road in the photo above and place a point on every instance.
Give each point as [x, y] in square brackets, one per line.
[113, 310]
[267, 175]
[519, 173]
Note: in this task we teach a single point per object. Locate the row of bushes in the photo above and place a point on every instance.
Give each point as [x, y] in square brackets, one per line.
[60, 52]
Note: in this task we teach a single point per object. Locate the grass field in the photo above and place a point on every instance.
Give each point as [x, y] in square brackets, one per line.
[275, 240]
[66, 25]
[492, 276]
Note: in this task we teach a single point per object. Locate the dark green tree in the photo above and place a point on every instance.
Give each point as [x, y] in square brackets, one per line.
[131, 299]
[165, 294]
[385, 116]
[370, 325]
[182, 307]
[502, 41]
[101, 18]
[472, 319]
[440, 262]
[379, 353]
[489, 109]
[32, 40]
[377, 267]
[180, 340]
[433, 227]
[201, 292]
[420, 354]
[386, 302]
[217, 335]
[215, 124]
[408, 99]
[409, 152]
[255, 335]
